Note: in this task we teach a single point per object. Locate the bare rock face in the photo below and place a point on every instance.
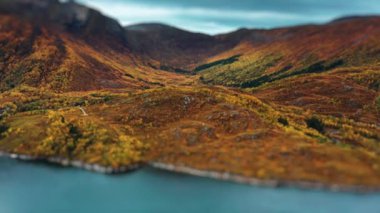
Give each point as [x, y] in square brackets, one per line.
[69, 14]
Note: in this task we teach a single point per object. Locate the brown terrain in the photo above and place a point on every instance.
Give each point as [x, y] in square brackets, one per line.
[291, 105]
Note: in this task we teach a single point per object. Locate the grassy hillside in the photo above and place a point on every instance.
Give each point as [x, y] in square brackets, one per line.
[298, 104]
[212, 129]
[298, 51]
[40, 56]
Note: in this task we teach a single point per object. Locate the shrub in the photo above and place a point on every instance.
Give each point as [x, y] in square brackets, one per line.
[7, 110]
[316, 124]
[10, 107]
[3, 129]
[85, 139]
[377, 103]
[283, 121]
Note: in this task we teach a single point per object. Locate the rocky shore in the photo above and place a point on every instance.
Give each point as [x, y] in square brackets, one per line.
[199, 173]
[263, 183]
[73, 163]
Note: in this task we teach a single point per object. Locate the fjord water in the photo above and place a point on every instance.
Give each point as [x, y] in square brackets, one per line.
[29, 187]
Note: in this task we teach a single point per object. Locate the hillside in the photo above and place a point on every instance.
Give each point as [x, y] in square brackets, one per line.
[67, 47]
[271, 55]
[289, 106]
[172, 48]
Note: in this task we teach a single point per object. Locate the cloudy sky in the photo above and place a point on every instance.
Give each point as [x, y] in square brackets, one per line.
[219, 16]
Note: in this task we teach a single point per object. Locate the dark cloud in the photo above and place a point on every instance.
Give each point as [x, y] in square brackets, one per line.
[294, 6]
[215, 16]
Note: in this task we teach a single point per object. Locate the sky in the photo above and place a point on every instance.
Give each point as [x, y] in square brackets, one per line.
[220, 16]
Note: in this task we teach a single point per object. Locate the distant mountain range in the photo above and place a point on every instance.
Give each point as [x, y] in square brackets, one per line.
[315, 85]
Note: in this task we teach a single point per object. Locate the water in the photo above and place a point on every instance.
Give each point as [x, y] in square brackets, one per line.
[29, 187]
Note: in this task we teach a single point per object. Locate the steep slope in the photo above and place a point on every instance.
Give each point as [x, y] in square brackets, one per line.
[245, 58]
[344, 93]
[270, 55]
[68, 16]
[65, 47]
[250, 58]
[172, 48]
[331, 69]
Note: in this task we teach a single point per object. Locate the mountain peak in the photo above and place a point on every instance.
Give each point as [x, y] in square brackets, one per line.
[68, 15]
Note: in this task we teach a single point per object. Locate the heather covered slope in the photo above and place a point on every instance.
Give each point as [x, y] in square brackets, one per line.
[250, 58]
[290, 105]
[270, 55]
[211, 130]
[37, 56]
[73, 49]
[331, 69]
[346, 92]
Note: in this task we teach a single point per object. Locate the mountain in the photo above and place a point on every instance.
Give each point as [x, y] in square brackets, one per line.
[173, 48]
[342, 57]
[68, 15]
[332, 69]
[282, 53]
[67, 47]
[287, 106]
[245, 58]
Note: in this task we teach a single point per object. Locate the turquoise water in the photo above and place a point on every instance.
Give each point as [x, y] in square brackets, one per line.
[39, 188]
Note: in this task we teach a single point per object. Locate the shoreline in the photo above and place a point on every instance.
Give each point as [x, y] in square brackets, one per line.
[64, 162]
[303, 185]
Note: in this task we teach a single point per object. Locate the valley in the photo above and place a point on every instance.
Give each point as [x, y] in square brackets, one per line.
[291, 105]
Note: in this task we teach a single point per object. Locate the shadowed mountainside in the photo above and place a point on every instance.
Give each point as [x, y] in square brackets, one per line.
[173, 48]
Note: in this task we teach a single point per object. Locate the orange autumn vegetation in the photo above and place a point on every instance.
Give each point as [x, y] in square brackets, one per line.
[291, 104]
[212, 129]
